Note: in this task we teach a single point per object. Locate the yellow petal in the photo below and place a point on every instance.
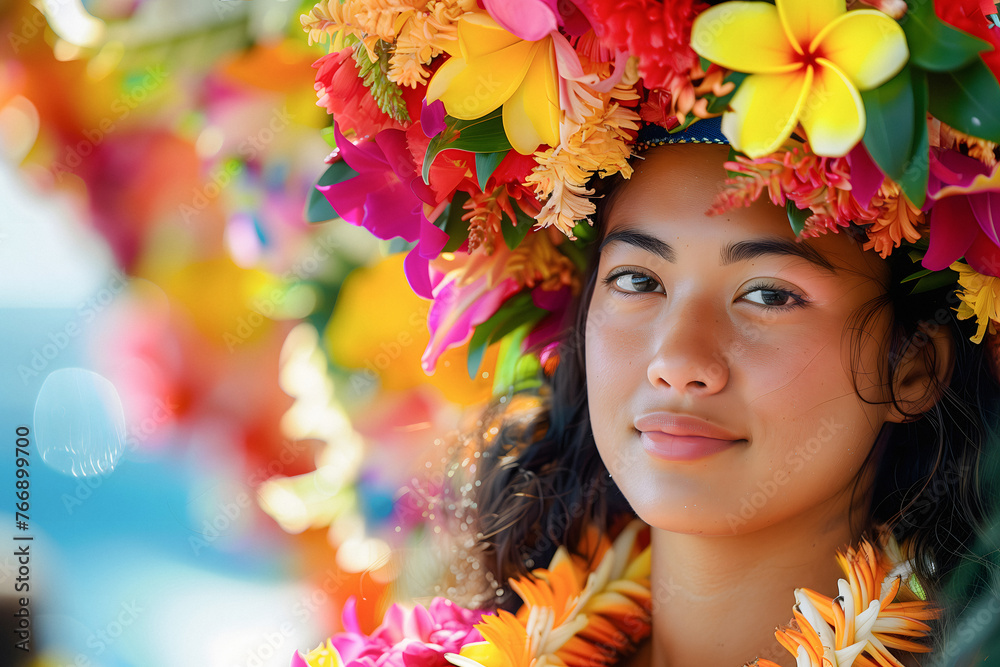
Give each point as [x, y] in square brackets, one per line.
[866, 45]
[471, 89]
[744, 36]
[483, 653]
[833, 115]
[804, 19]
[442, 79]
[479, 35]
[531, 115]
[765, 110]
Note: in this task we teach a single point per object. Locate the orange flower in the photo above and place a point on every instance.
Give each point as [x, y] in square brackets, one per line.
[872, 615]
[897, 219]
[569, 617]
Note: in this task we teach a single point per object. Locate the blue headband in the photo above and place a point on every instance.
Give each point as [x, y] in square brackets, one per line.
[706, 131]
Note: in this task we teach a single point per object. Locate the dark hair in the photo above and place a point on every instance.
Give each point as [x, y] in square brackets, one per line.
[542, 481]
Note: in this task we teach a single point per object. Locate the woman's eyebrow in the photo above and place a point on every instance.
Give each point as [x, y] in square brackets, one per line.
[641, 240]
[739, 251]
[742, 251]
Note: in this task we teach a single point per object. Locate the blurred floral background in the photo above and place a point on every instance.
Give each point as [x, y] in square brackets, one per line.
[230, 431]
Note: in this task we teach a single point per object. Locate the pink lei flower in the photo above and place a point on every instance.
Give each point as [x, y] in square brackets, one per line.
[407, 638]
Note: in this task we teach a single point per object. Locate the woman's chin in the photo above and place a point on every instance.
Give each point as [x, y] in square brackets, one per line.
[694, 519]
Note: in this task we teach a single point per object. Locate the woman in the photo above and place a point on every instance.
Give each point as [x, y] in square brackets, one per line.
[763, 396]
[708, 414]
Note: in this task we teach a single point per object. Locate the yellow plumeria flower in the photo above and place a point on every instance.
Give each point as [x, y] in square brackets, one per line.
[492, 67]
[807, 60]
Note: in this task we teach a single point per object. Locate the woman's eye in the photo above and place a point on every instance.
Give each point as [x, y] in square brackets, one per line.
[636, 282]
[776, 298]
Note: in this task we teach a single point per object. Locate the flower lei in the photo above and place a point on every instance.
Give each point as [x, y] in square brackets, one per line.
[574, 616]
[471, 132]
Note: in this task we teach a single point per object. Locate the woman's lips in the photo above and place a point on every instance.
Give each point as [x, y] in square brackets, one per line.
[674, 437]
[682, 447]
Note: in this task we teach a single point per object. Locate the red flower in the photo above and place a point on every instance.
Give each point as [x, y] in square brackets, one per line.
[340, 90]
[967, 16]
[658, 33]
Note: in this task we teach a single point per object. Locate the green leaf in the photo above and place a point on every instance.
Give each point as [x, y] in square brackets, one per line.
[510, 315]
[477, 349]
[917, 275]
[935, 280]
[914, 177]
[578, 253]
[720, 104]
[896, 130]
[889, 127]
[524, 314]
[797, 216]
[318, 209]
[968, 100]
[935, 45]
[451, 222]
[584, 231]
[329, 136]
[513, 235]
[482, 135]
[515, 371]
[374, 75]
[486, 164]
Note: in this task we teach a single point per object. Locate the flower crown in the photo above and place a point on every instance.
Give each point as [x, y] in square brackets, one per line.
[473, 130]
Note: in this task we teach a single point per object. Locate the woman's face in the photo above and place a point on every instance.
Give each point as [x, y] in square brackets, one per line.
[718, 359]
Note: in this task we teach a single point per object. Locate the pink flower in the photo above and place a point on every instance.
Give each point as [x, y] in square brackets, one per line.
[381, 199]
[417, 638]
[532, 20]
[468, 291]
[965, 218]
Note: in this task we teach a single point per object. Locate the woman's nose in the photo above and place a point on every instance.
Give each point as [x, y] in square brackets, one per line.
[687, 356]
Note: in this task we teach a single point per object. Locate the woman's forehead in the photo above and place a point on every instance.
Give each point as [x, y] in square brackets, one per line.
[673, 188]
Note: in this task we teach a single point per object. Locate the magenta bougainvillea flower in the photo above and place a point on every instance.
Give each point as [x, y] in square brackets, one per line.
[406, 638]
[965, 219]
[381, 199]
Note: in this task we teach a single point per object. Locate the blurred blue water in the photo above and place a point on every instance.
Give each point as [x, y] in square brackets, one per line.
[124, 563]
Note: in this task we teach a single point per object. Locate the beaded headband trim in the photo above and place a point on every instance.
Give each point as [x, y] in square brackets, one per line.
[471, 131]
[708, 131]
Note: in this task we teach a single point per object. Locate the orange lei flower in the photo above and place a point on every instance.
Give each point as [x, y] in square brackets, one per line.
[573, 616]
